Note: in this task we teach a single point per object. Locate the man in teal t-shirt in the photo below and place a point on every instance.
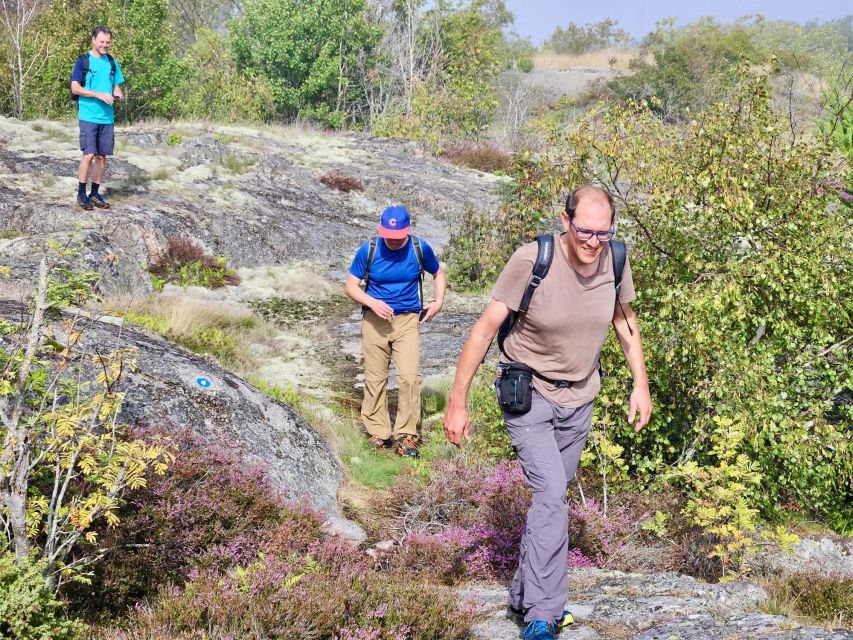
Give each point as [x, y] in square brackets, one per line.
[96, 83]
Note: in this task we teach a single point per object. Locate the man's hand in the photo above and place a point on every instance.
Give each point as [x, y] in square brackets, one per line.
[430, 311]
[456, 423]
[381, 309]
[641, 400]
[106, 97]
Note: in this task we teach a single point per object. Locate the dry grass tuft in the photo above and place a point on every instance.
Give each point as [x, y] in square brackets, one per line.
[341, 182]
[483, 156]
[603, 59]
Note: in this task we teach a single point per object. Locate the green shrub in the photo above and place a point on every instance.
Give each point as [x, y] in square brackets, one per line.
[525, 65]
[213, 88]
[574, 39]
[741, 273]
[29, 609]
[174, 139]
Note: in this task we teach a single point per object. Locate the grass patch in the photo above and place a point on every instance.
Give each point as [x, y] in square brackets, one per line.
[10, 234]
[289, 395]
[184, 263]
[174, 139]
[238, 165]
[161, 174]
[813, 597]
[613, 58]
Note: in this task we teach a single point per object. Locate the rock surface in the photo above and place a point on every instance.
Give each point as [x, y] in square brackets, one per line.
[663, 606]
[251, 195]
[175, 388]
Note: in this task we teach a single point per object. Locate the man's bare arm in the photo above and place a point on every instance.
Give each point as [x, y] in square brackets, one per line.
[456, 421]
[632, 347]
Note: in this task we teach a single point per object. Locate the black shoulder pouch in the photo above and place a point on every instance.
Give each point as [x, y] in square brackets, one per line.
[515, 387]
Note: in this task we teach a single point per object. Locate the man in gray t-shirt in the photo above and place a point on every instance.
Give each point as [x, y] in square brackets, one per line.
[560, 337]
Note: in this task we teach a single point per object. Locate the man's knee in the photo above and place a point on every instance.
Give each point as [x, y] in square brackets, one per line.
[88, 157]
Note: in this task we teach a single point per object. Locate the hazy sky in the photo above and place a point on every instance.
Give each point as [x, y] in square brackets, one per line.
[538, 18]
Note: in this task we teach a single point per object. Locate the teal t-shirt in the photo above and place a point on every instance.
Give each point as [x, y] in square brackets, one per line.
[97, 79]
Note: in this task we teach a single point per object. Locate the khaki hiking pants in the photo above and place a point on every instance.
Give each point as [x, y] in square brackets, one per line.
[397, 337]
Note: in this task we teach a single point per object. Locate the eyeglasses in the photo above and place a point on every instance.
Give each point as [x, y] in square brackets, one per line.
[585, 235]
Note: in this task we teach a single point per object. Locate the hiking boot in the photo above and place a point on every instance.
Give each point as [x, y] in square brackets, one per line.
[407, 446]
[379, 443]
[565, 620]
[539, 630]
[84, 202]
[98, 200]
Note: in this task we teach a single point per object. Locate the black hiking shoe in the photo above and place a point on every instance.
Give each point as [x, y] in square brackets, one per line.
[379, 443]
[518, 616]
[84, 202]
[98, 200]
[407, 446]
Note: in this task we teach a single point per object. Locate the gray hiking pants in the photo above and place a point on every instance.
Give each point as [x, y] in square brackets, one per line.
[548, 440]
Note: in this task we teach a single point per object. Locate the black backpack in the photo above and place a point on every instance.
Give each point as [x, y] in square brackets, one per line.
[540, 269]
[419, 254]
[84, 58]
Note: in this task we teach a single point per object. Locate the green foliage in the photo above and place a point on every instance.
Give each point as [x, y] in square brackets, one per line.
[694, 65]
[212, 340]
[213, 88]
[29, 609]
[742, 268]
[457, 100]
[720, 498]
[174, 139]
[307, 51]
[489, 433]
[691, 66]
[470, 255]
[143, 43]
[67, 25]
[574, 39]
[68, 285]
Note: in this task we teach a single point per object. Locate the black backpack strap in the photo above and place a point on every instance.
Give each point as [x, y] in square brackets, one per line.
[419, 254]
[112, 70]
[371, 252]
[544, 257]
[618, 253]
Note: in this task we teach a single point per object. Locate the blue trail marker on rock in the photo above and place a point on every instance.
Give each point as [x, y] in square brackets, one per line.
[203, 382]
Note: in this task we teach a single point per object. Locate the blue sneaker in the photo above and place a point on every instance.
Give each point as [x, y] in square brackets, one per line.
[539, 630]
[565, 620]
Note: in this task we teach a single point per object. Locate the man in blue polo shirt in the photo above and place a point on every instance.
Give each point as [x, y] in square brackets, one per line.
[96, 83]
[392, 266]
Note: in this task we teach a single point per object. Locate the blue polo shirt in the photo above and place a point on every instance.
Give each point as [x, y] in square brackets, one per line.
[98, 79]
[394, 274]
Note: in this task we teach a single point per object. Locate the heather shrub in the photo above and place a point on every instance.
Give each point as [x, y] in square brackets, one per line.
[303, 595]
[192, 520]
[186, 264]
[338, 181]
[596, 535]
[483, 156]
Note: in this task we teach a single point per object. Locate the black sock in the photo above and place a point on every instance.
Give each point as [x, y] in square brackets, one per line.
[81, 189]
[95, 187]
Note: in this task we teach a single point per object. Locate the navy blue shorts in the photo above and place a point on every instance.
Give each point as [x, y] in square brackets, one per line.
[97, 138]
